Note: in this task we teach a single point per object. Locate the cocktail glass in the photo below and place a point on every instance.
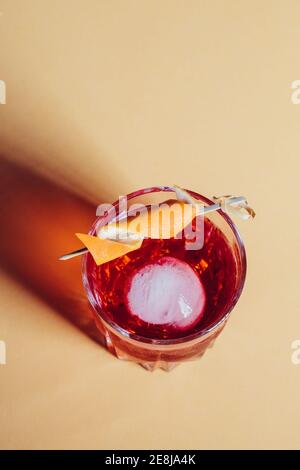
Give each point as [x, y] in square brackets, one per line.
[221, 264]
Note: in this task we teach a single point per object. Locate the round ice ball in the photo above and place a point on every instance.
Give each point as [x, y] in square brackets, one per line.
[168, 291]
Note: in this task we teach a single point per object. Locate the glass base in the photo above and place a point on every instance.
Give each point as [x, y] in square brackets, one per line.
[150, 366]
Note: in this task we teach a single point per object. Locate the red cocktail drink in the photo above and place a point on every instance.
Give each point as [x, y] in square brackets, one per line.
[163, 304]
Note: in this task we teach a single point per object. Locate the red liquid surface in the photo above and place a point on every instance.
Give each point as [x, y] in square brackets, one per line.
[214, 264]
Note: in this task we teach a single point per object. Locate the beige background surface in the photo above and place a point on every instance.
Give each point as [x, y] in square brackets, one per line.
[108, 96]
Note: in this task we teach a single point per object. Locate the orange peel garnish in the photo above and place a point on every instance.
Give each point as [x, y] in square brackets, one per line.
[163, 221]
[116, 239]
[103, 250]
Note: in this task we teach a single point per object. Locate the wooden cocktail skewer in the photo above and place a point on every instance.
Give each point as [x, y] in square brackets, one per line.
[232, 201]
[73, 254]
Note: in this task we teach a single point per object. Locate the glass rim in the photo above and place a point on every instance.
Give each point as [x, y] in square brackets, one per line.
[193, 336]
